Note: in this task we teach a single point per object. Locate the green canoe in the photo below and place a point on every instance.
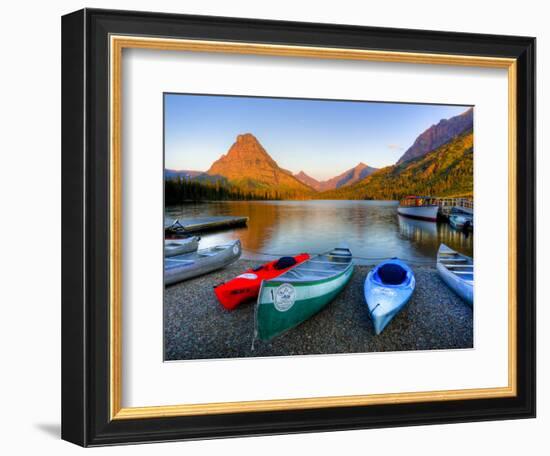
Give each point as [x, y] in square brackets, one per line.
[301, 292]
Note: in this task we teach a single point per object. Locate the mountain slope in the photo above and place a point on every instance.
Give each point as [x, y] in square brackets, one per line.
[183, 173]
[438, 135]
[308, 180]
[349, 177]
[248, 166]
[446, 171]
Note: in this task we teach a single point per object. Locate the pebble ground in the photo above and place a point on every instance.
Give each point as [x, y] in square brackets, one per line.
[196, 326]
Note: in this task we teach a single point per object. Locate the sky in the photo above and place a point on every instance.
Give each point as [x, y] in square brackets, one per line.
[323, 138]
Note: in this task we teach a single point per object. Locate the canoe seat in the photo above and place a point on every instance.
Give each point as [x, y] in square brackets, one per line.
[392, 274]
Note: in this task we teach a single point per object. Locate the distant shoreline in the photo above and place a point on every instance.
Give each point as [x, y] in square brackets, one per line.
[271, 201]
[298, 200]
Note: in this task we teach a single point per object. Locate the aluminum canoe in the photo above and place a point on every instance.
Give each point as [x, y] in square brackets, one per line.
[173, 247]
[457, 271]
[189, 265]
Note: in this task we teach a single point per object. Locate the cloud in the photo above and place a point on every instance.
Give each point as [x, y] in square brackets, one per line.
[395, 147]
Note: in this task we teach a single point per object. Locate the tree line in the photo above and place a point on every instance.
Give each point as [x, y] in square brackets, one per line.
[177, 191]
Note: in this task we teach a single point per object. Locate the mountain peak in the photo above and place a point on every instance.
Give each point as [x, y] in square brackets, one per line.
[247, 137]
[248, 164]
[439, 134]
[246, 149]
[349, 177]
[445, 171]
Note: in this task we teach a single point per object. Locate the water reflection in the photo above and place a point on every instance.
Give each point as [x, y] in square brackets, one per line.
[372, 229]
[427, 236]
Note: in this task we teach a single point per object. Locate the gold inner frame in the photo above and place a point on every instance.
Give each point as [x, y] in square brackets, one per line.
[117, 44]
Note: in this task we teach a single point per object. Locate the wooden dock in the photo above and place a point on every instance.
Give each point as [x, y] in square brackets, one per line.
[213, 223]
[446, 205]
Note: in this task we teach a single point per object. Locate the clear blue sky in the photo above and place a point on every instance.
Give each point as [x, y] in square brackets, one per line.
[322, 138]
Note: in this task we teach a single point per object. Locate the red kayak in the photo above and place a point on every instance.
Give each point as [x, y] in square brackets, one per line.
[247, 285]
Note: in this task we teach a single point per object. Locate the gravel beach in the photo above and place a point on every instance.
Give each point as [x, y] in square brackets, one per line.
[196, 326]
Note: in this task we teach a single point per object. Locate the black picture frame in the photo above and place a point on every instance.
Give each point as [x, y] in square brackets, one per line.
[85, 228]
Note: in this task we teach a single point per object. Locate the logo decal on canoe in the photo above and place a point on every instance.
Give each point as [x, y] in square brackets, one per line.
[285, 296]
[235, 249]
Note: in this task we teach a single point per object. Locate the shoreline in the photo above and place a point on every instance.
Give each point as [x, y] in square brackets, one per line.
[196, 326]
[261, 200]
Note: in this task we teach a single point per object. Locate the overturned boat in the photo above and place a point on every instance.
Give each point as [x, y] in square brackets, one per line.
[298, 294]
[183, 267]
[457, 271]
[388, 287]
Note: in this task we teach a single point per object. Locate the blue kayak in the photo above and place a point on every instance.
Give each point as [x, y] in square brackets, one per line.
[388, 287]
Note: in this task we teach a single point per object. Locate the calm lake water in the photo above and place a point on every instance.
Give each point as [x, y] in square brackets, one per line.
[372, 229]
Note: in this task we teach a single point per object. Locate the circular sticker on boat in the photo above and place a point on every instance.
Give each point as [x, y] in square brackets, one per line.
[248, 275]
[285, 296]
[236, 249]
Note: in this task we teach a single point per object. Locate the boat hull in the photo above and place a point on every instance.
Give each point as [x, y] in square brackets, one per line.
[385, 301]
[246, 286]
[464, 288]
[428, 213]
[305, 300]
[180, 246]
[461, 288]
[187, 266]
[459, 222]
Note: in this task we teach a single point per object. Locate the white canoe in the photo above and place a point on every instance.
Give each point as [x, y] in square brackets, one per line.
[189, 265]
[457, 271]
[173, 247]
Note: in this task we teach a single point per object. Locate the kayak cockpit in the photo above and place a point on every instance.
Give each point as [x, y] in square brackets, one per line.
[391, 274]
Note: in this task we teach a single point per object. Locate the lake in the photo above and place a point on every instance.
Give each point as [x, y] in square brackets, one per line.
[372, 229]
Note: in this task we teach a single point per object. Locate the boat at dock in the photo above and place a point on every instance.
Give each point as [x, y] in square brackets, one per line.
[183, 267]
[388, 287]
[451, 205]
[461, 221]
[298, 294]
[246, 286]
[457, 271]
[419, 207]
[173, 247]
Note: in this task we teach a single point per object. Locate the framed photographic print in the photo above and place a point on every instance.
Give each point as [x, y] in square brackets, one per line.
[279, 227]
